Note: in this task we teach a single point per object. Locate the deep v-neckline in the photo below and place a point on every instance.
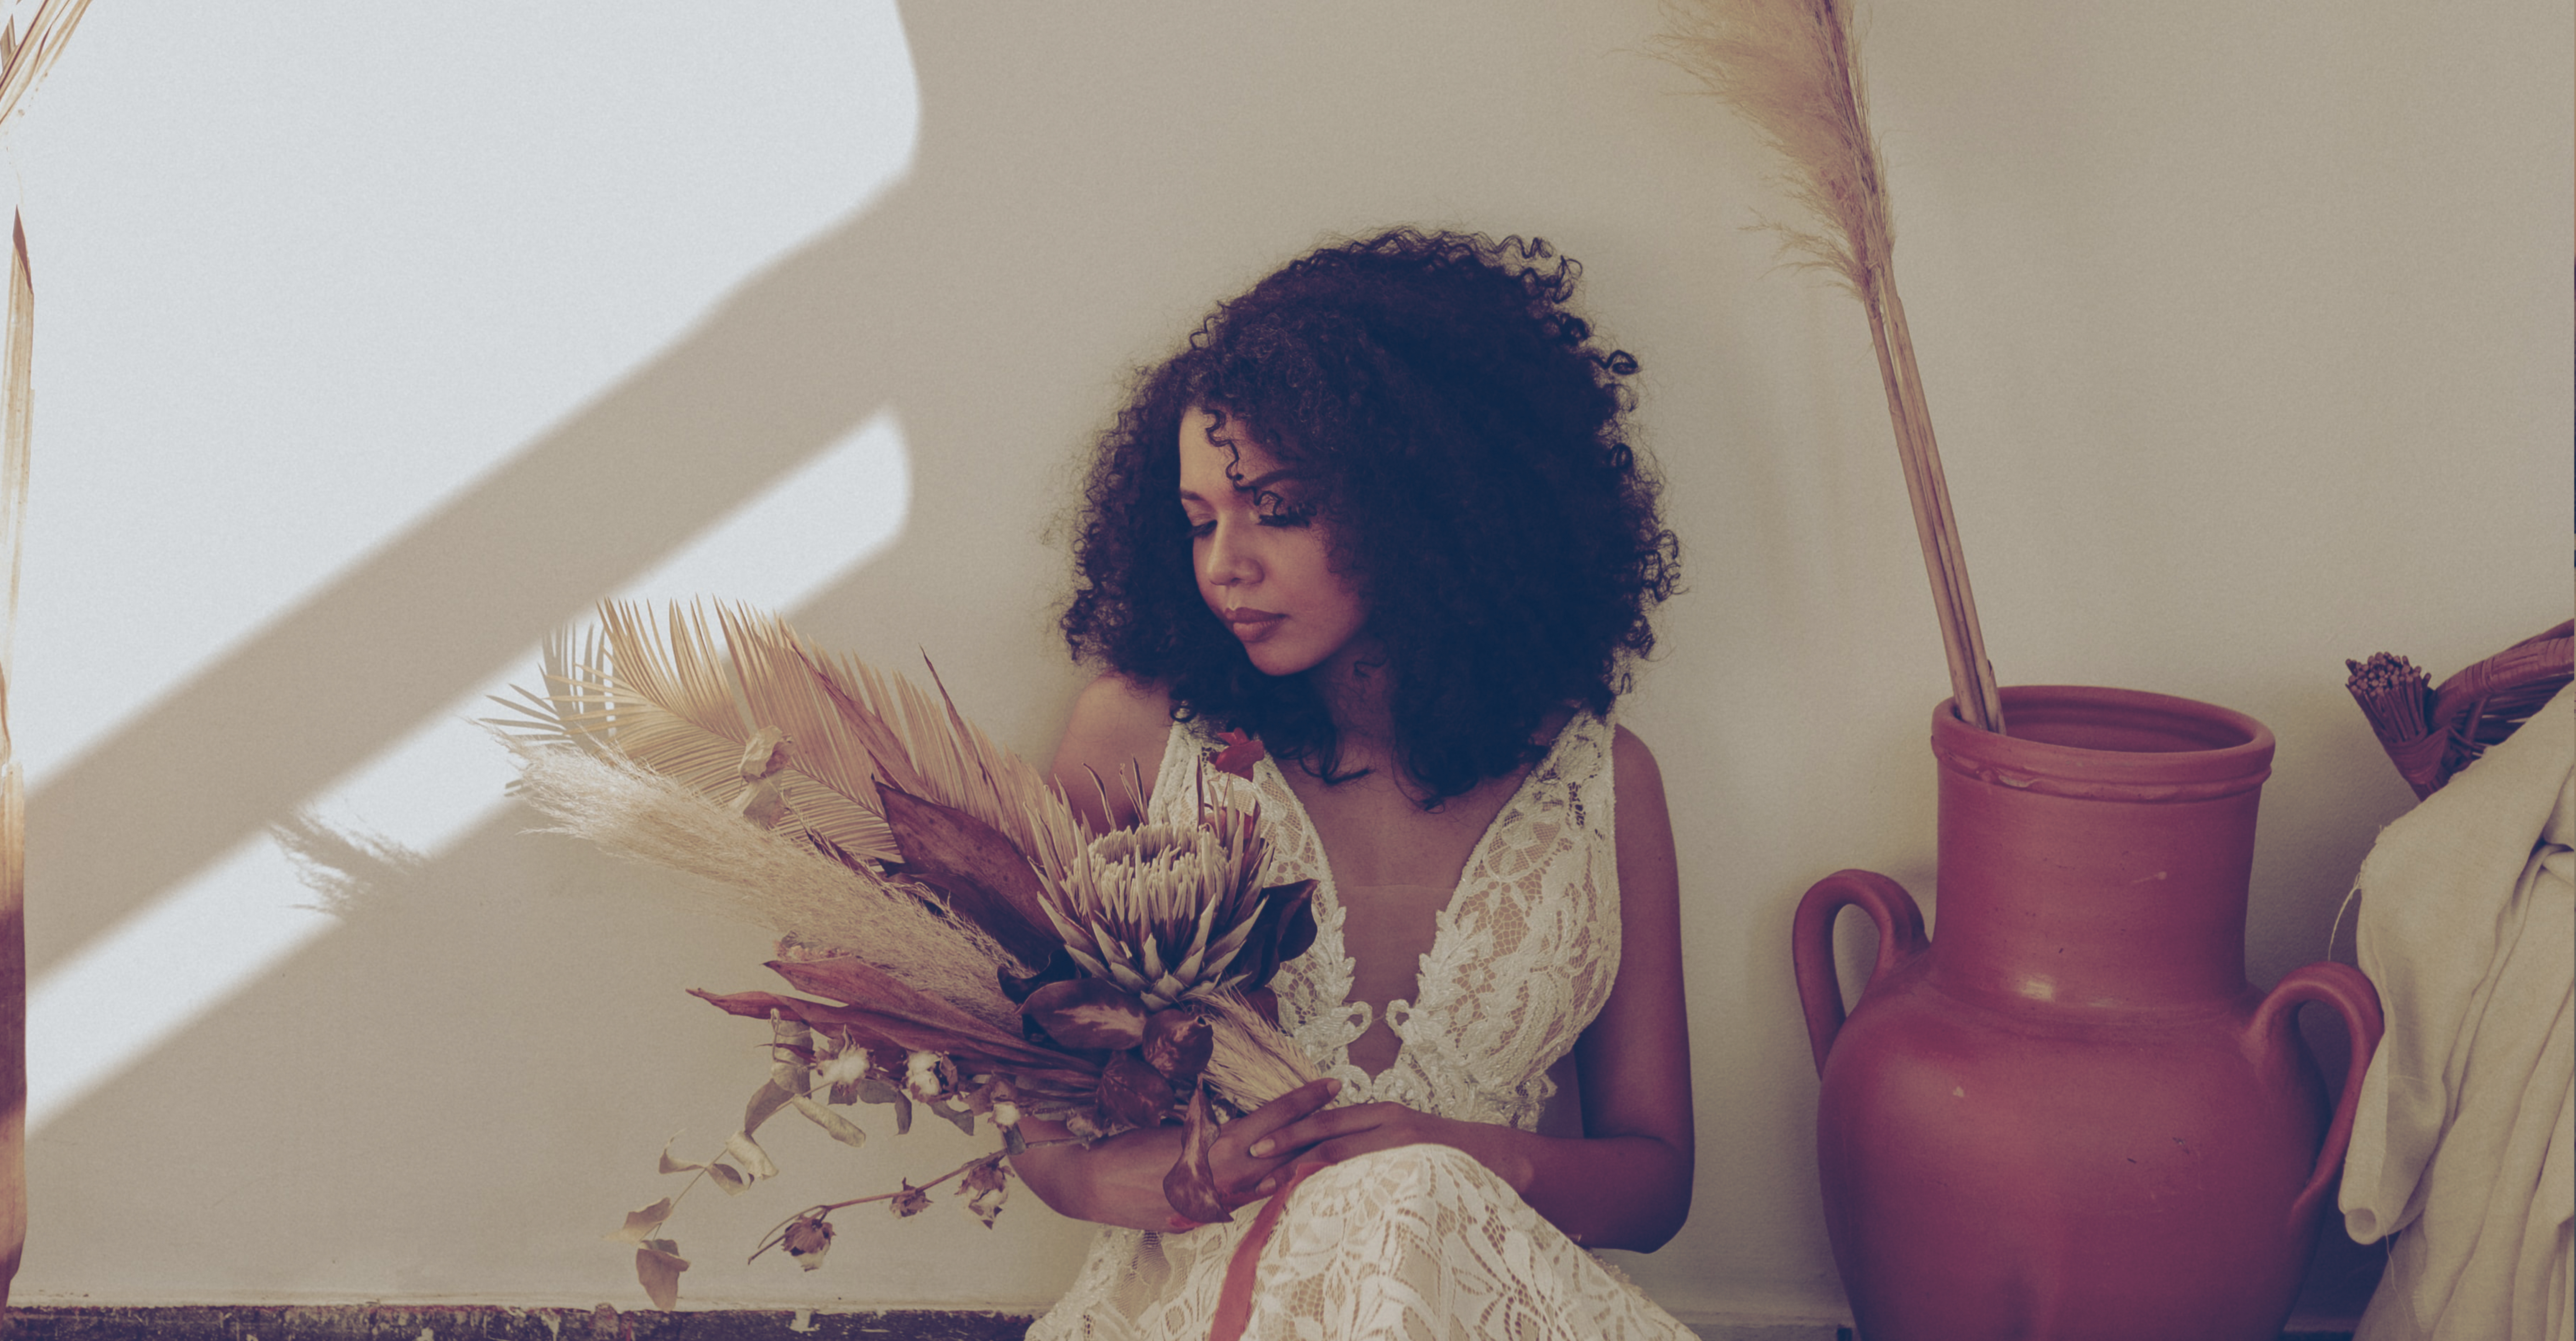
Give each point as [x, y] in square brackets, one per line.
[1330, 921]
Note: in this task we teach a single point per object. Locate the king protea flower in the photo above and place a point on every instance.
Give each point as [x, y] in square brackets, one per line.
[1166, 910]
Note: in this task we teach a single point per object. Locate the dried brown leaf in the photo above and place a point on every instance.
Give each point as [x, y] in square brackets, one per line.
[959, 1116]
[1088, 1013]
[1284, 930]
[1133, 1094]
[658, 1265]
[840, 1128]
[640, 1225]
[1177, 1043]
[765, 1101]
[1191, 1184]
[747, 1152]
[987, 880]
[907, 1016]
[728, 1177]
[670, 1165]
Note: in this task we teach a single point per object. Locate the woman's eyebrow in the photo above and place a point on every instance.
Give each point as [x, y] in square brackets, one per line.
[1247, 486]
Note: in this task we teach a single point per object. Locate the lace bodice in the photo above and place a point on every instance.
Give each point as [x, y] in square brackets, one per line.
[1524, 954]
[1419, 1240]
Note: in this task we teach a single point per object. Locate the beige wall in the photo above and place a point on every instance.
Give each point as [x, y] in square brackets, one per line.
[2247, 330]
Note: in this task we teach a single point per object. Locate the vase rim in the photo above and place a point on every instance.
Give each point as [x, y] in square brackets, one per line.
[2111, 744]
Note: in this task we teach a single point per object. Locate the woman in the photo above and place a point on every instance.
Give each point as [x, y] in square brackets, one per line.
[1378, 516]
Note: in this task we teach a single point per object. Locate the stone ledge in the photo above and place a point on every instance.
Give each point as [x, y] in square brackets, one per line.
[473, 1322]
[484, 1322]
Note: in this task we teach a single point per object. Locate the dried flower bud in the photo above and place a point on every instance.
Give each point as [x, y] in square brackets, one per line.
[807, 1238]
[987, 1186]
[985, 1175]
[910, 1201]
[930, 1076]
[996, 1098]
[842, 1068]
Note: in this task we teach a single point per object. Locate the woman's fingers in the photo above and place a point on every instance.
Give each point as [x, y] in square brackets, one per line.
[1324, 1126]
[1257, 1127]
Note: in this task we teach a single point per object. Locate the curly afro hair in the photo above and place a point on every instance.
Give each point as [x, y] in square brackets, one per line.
[1461, 432]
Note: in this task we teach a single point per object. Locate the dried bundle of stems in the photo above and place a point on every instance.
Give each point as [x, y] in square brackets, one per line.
[1790, 68]
[2430, 733]
[2395, 695]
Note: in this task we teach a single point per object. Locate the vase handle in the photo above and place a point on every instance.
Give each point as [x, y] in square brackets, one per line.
[1811, 944]
[2352, 995]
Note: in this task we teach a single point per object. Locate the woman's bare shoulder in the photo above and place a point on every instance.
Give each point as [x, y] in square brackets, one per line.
[1635, 763]
[1115, 722]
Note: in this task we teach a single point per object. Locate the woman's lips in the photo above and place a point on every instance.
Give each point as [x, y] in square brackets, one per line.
[1253, 625]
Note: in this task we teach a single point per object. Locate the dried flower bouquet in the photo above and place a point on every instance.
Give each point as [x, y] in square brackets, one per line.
[958, 936]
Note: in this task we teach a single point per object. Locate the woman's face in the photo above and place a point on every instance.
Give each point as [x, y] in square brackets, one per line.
[1264, 564]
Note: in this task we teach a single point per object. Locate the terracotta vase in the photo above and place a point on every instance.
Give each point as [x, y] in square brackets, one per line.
[2070, 1115]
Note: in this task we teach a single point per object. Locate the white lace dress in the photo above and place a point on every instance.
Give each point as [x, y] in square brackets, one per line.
[1421, 1242]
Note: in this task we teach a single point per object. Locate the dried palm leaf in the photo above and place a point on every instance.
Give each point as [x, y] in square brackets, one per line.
[741, 709]
[1789, 67]
[949, 760]
[689, 704]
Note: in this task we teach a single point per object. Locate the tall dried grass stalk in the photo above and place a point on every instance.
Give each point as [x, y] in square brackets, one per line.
[769, 877]
[17, 430]
[1789, 67]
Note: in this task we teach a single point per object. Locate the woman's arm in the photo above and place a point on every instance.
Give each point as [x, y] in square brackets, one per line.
[1115, 722]
[1633, 1064]
[1626, 1183]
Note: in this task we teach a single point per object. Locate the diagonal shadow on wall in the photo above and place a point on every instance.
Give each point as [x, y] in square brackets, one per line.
[875, 310]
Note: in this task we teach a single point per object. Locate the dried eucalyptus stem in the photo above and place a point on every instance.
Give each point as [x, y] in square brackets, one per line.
[1789, 68]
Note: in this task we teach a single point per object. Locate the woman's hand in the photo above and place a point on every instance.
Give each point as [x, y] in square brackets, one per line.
[1119, 1181]
[1337, 1134]
[1248, 1157]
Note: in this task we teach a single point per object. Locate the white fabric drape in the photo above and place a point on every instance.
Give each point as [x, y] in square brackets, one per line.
[2465, 1143]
